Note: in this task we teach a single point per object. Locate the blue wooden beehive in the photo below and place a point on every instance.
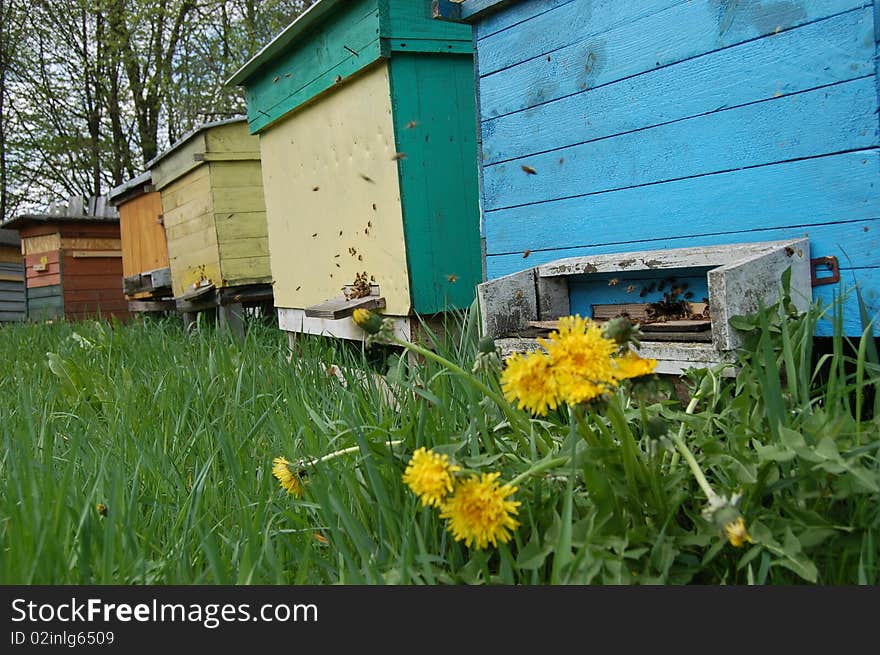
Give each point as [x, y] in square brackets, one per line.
[613, 127]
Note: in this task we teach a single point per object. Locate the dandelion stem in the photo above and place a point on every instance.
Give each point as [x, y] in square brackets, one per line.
[695, 467]
[691, 408]
[540, 467]
[515, 418]
[344, 451]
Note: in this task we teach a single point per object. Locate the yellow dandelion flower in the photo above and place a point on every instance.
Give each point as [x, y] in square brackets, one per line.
[582, 359]
[479, 511]
[430, 476]
[631, 365]
[737, 534]
[289, 480]
[574, 389]
[529, 380]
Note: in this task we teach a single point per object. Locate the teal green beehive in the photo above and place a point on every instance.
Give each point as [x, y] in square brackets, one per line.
[366, 116]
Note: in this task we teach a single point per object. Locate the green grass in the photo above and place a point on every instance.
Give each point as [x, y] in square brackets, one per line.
[175, 434]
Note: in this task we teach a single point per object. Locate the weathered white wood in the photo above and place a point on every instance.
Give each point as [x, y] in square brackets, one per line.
[673, 358]
[342, 307]
[296, 321]
[553, 297]
[651, 260]
[741, 287]
[508, 303]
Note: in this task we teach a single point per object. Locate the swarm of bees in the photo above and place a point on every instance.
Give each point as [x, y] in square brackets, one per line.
[360, 288]
[674, 306]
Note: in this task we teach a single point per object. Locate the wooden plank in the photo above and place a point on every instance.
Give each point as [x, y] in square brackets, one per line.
[11, 255]
[11, 305]
[513, 14]
[244, 248]
[238, 199]
[80, 243]
[249, 270]
[824, 121]
[296, 322]
[677, 327]
[312, 64]
[666, 259]
[41, 244]
[248, 294]
[414, 20]
[855, 242]
[92, 254]
[44, 280]
[12, 317]
[815, 191]
[110, 267]
[202, 303]
[441, 227]
[822, 53]
[230, 141]
[342, 307]
[6, 277]
[138, 306]
[89, 230]
[197, 292]
[43, 292]
[429, 46]
[177, 163]
[537, 34]
[234, 174]
[93, 283]
[508, 304]
[193, 186]
[151, 281]
[241, 225]
[588, 57]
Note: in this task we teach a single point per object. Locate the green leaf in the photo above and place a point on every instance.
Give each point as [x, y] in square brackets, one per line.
[774, 454]
[533, 556]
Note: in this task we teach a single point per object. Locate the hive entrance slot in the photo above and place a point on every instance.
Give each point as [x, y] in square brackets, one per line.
[654, 289]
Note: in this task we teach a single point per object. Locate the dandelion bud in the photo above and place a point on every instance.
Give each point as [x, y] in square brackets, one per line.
[622, 331]
[367, 320]
[486, 345]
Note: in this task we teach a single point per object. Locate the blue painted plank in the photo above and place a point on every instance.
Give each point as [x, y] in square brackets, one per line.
[842, 187]
[571, 23]
[823, 121]
[681, 32]
[868, 280]
[833, 50]
[514, 14]
[855, 244]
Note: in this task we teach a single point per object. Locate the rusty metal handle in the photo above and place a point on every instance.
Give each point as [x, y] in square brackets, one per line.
[828, 262]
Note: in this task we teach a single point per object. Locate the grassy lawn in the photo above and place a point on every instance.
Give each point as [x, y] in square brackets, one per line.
[139, 454]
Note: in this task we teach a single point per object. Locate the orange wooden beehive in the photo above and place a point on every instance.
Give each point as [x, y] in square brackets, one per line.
[145, 268]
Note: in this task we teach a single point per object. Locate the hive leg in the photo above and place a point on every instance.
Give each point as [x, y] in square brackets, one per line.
[232, 318]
